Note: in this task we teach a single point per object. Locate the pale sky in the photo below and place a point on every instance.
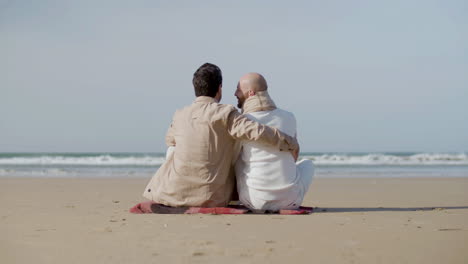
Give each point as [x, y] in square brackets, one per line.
[91, 76]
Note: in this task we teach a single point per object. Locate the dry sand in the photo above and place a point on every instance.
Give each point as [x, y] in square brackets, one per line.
[358, 221]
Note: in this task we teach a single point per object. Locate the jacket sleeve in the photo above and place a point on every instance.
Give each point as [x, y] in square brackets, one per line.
[242, 128]
[170, 140]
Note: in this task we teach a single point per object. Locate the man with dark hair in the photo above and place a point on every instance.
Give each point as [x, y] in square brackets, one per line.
[207, 80]
[198, 170]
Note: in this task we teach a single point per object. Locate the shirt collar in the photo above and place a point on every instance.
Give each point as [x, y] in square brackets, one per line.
[205, 99]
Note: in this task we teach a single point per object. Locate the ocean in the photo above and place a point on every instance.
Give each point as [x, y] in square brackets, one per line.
[333, 165]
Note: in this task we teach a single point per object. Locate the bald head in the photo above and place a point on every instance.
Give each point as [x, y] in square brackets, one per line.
[253, 82]
[248, 85]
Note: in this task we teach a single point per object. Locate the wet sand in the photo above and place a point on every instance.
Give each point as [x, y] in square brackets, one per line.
[394, 220]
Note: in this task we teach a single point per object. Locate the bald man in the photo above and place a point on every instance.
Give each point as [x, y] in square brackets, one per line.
[268, 179]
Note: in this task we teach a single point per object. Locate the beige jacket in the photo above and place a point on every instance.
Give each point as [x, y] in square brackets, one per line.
[200, 171]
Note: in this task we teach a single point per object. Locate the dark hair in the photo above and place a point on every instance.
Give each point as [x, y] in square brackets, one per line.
[207, 79]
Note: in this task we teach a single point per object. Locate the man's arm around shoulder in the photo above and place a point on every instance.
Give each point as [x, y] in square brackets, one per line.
[242, 128]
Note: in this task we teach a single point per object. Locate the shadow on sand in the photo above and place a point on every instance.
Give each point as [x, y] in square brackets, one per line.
[384, 209]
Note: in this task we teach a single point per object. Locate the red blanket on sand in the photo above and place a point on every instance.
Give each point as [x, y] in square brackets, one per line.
[151, 207]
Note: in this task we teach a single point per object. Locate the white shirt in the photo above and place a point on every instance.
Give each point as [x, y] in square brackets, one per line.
[266, 177]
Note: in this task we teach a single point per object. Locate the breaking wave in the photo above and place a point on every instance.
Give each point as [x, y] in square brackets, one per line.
[157, 159]
[390, 159]
[100, 160]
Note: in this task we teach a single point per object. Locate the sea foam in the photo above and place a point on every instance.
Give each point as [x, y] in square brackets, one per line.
[390, 159]
[101, 160]
[318, 159]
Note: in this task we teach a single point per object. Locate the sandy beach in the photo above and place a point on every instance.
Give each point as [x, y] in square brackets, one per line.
[392, 220]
